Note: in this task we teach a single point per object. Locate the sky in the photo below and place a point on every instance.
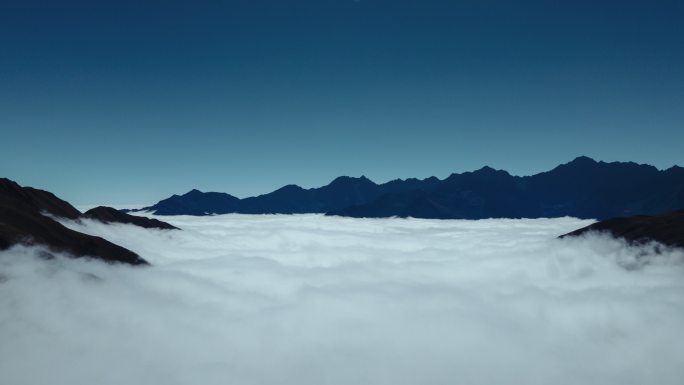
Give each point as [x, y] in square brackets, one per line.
[311, 300]
[128, 102]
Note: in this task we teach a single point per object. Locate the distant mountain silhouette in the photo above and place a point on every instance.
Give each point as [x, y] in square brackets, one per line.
[111, 215]
[582, 188]
[667, 229]
[195, 203]
[22, 222]
[291, 199]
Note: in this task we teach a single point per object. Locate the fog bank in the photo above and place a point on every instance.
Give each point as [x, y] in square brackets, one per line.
[308, 299]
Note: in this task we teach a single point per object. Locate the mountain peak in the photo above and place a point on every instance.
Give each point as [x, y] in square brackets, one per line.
[41, 200]
[579, 163]
[486, 169]
[350, 179]
[582, 160]
[489, 171]
[289, 188]
[193, 192]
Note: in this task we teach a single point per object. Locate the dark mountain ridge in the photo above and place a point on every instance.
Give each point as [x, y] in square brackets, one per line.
[667, 228]
[195, 202]
[36, 200]
[106, 214]
[27, 218]
[22, 222]
[342, 192]
[581, 188]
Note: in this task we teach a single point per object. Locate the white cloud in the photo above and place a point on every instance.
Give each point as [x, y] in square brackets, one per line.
[309, 299]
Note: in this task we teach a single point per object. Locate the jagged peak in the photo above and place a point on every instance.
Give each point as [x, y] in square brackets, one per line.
[196, 192]
[346, 179]
[583, 159]
[193, 192]
[580, 161]
[587, 161]
[290, 187]
[486, 169]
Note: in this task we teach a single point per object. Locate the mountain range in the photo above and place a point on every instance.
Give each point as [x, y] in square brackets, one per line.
[582, 188]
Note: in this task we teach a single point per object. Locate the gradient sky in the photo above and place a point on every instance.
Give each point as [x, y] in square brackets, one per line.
[131, 101]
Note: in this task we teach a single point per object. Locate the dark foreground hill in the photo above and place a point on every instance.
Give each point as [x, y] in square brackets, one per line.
[22, 221]
[582, 188]
[29, 198]
[111, 215]
[667, 229]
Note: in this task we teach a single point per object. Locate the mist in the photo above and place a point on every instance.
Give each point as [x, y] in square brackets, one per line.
[309, 300]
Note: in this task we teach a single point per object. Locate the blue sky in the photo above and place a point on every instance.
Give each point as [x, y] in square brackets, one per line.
[129, 101]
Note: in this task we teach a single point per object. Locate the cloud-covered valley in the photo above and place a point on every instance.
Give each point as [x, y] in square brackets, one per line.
[309, 299]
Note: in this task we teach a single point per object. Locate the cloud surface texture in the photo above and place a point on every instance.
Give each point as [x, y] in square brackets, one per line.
[312, 300]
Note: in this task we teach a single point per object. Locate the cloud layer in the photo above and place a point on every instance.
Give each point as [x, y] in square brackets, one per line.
[309, 299]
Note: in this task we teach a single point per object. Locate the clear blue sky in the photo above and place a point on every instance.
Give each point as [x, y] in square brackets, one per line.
[131, 101]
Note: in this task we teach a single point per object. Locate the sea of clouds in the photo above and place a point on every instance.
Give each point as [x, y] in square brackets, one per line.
[311, 300]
